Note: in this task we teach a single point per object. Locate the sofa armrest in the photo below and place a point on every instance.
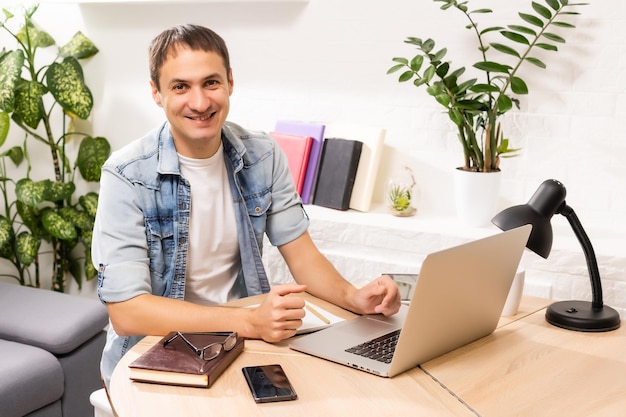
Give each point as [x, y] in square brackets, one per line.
[53, 321]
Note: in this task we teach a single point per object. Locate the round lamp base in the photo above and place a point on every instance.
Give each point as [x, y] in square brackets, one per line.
[580, 316]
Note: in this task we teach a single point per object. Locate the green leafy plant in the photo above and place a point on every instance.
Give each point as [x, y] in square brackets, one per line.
[400, 195]
[476, 107]
[44, 101]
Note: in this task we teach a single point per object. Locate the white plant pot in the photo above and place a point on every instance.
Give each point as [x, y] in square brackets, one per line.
[476, 195]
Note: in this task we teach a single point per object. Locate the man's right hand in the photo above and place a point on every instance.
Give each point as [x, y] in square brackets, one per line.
[279, 316]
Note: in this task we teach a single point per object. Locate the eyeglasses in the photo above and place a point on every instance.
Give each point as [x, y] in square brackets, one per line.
[211, 351]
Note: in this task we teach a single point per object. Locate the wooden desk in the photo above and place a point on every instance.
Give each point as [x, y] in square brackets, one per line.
[531, 368]
[323, 388]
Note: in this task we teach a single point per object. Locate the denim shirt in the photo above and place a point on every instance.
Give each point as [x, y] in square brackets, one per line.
[140, 238]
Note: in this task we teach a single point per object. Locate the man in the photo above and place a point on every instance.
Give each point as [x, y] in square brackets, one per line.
[182, 213]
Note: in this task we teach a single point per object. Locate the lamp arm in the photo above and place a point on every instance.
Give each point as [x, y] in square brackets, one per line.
[592, 263]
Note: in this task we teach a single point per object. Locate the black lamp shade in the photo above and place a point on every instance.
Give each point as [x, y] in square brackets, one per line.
[540, 240]
[545, 203]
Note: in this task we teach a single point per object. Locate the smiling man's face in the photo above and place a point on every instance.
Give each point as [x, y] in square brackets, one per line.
[195, 95]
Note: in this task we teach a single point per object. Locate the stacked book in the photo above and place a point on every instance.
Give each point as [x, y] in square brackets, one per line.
[333, 166]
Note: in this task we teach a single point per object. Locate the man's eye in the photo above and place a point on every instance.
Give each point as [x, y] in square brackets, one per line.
[211, 83]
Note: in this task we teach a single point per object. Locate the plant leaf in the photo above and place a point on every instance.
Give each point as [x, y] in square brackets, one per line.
[28, 102]
[405, 76]
[536, 62]
[442, 70]
[92, 154]
[515, 37]
[31, 193]
[413, 41]
[26, 247]
[504, 103]
[491, 29]
[523, 29]
[429, 73]
[416, 63]
[542, 10]
[554, 37]
[5, 122]
[57, 226]
[455, 115]
[490, 66]
[10, 70]
[395, 68]
[89, 202]
[464, 86]
[16, 154]
[533, 20]
[518, 86]
[481, 11]
[442, 99]
[505, 49]
[546, 46]
[470, 105]
[7, 237]
[563, 25]
[59, 191]
[554, 4]
[439, 55]
[78, 218]
[30, 217]
[484, 88]
[29, 34]
[66, 83]
[79, 47]
[428, 45]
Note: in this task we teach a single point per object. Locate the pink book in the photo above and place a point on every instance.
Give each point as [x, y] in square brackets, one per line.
[316, 132]
[297, 148]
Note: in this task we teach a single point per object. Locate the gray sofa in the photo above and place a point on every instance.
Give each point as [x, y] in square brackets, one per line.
[50, 348]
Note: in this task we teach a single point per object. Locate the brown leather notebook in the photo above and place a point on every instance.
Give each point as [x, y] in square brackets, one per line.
[177, 364]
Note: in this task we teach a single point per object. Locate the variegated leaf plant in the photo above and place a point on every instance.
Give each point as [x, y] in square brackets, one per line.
[34, 98]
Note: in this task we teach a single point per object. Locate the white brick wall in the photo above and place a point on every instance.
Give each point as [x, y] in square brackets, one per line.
[325, 60]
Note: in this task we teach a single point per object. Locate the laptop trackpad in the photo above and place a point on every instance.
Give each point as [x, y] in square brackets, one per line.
[369, 326]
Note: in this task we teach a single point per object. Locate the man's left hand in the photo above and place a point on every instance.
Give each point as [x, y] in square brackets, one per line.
[381, 296]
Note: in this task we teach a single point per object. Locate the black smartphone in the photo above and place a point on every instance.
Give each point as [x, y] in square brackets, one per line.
[269, 383]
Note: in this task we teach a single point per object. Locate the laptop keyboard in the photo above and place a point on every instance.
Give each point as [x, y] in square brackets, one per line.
[380, 348]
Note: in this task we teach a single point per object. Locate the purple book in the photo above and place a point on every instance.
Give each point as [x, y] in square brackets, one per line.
[316, 131]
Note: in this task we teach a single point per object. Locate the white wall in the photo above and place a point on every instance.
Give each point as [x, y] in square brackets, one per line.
[326, 60]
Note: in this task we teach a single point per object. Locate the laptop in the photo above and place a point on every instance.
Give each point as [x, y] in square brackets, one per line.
[459, 296]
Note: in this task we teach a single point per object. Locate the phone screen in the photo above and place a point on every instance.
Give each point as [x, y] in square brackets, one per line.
[269, 383]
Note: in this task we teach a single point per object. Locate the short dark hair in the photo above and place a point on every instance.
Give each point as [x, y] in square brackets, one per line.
[195, 37]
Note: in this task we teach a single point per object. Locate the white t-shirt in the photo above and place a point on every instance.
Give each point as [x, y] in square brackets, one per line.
[213, 260]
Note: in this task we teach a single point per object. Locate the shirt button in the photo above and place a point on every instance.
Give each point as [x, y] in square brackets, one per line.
[257, 209]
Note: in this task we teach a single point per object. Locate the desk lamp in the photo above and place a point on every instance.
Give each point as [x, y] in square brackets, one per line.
[548, 200]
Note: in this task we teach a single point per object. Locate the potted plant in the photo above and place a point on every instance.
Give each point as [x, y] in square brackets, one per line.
[475, 105]
[400, 196]
[44, 102]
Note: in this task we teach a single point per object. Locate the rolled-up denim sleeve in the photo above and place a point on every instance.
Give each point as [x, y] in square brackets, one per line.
[286, 218]
[119, 247]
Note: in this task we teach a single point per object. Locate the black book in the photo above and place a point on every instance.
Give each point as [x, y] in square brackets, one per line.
[338, 165]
